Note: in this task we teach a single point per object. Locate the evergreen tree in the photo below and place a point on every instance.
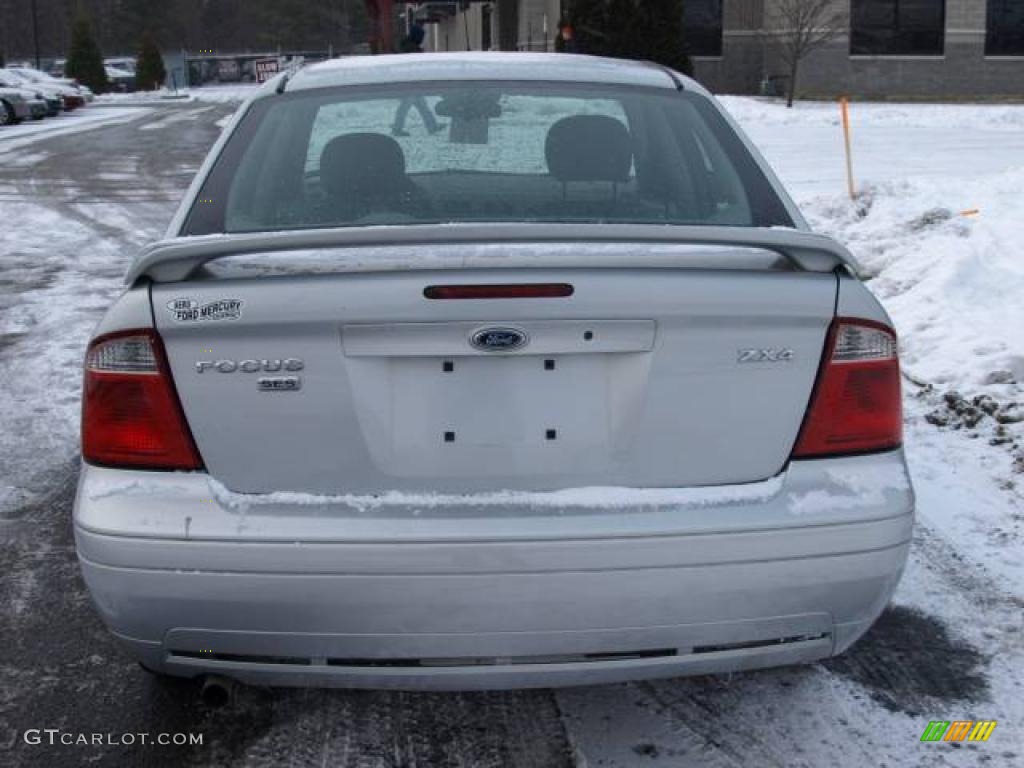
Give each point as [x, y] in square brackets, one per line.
[589, 19]
[625, 30]
[662, 36]
[85, 61]
[131, 19]
[149, 65]
[649, 30]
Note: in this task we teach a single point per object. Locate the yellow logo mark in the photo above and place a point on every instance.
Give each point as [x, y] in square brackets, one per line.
[982, 730]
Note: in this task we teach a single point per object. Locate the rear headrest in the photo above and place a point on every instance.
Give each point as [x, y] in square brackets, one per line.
[589, 148]
[362, 164]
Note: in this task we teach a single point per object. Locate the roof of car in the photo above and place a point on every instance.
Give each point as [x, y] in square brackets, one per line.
[550, 67]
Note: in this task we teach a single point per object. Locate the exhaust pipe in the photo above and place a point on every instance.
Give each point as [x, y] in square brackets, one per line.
[216, 691]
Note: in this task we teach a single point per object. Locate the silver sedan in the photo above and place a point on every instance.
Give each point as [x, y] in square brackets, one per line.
[486, 371]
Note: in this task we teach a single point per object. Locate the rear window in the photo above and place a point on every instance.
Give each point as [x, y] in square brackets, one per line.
[483, 152]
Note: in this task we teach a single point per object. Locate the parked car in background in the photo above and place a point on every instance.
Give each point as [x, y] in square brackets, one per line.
[120, 79]
[567, 393]
[50, 95]
[121, 72]
[126, 63]
[75, 95]
[15, 106]
[54, 103]
[37, 104]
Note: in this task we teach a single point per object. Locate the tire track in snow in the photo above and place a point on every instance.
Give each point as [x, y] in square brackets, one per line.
[385, 729]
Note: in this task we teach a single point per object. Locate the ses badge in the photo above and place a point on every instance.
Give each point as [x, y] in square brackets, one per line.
[191, 311]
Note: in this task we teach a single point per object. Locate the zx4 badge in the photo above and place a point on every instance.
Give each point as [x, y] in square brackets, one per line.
[769, 355]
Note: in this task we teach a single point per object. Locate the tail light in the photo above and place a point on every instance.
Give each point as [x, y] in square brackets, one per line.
[500, 291]
[856, 406]
[131, 416]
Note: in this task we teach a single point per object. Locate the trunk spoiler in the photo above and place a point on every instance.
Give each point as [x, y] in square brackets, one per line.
[178, 258]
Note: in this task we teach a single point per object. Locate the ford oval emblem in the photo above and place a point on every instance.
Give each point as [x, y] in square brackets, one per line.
[498, 339]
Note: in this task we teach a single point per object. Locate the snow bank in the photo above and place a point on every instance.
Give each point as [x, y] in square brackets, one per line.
[952, 283]
[137, 98]
[220, 94]
[224, 94]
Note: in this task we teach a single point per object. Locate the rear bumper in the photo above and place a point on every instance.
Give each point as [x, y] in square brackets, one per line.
[466, 598]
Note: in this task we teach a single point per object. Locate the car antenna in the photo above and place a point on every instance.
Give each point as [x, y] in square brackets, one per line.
[671, 74]
[284, 81]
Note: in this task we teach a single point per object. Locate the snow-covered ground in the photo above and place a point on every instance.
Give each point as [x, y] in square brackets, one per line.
[16, 136]
[218, 94]
[954, 285]
[69, 224]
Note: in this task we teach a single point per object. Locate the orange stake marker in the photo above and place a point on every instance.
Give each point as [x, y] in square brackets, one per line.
[844, 107]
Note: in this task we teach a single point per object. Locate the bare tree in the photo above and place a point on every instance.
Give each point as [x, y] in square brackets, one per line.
[800, 27]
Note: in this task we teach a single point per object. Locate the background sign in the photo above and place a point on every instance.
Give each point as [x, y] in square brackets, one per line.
[266, 69]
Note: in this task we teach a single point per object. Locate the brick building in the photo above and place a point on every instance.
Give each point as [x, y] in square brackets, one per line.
[884, 48]
[887, 49]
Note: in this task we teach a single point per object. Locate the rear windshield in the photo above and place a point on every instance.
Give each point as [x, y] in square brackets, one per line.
[483, 152]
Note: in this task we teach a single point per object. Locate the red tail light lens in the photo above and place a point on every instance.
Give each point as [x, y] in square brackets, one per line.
[856, 406]
[131, 416]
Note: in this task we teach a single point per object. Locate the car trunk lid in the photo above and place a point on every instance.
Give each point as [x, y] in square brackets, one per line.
[330, 383]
